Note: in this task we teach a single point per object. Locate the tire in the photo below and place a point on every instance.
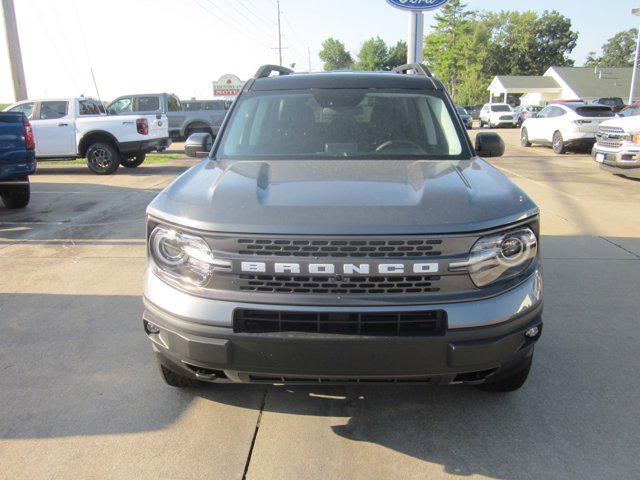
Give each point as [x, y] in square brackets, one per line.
[524, 138]
[481, 124]
[133, 162]
[491, 125]
[16, 196]
[103, 158]
[510, 383]
[173, 379]
[558, 144]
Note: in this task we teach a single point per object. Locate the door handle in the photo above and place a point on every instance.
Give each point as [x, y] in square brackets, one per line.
[127, 123]
[63, 124]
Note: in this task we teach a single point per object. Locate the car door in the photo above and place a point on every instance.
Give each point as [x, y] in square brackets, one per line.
[54, 129]
[535, 124]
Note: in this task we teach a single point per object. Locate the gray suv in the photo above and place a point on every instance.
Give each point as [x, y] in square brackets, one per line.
[343, 229]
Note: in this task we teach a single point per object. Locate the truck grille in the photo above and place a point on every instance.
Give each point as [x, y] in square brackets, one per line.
[610, 137]
[396, 324]
[339, 285]
[339, 248]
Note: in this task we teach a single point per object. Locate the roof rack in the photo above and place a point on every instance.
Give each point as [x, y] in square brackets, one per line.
[418, 68]
[266, 71]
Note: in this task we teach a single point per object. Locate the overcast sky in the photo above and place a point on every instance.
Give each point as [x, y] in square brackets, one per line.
[181, 46]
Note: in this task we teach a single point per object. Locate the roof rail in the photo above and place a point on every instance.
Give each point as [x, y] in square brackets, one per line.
[418, 68]
[266, 71]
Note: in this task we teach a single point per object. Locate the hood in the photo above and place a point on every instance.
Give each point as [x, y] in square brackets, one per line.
[342, 197]
[628, 124]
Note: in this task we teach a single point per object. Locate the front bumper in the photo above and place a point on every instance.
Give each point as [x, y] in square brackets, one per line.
[621, 162]
[483, 338]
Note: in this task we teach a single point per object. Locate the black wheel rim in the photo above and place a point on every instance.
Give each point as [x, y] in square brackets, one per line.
[101, 158]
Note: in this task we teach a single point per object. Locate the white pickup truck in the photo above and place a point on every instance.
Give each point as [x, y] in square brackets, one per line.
[617, 147]
[68, 128]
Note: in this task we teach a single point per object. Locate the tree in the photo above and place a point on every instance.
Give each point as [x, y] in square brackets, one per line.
[397, 55]
[373, 55]
[618, 51]
[334, 55]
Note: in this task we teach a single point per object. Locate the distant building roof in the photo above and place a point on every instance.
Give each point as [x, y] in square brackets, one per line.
[526, 82]
[589, 82]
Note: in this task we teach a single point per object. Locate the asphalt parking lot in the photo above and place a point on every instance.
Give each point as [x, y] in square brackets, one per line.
[81, 399]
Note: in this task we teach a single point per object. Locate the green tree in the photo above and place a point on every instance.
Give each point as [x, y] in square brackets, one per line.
[397, 55]
[618, 51]
[373, 55]
[334, 55]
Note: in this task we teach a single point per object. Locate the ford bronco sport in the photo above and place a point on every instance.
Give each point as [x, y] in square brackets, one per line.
[344, 229]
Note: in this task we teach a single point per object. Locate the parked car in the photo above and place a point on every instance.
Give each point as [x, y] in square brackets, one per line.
[497, 115]
[564, 126]
[630, 110]
[473, 110]
[182, 122]
[617, 149]
[67, 128]
[17, 159]
[524, 112]
[344, 229]
[465, 117]
[615, 103]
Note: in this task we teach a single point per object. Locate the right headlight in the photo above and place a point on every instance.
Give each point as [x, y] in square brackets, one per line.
[499, 257]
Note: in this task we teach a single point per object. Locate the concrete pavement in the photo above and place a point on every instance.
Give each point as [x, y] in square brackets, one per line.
[80, 397]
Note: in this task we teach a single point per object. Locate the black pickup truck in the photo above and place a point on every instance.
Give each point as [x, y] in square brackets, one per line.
[17, 159]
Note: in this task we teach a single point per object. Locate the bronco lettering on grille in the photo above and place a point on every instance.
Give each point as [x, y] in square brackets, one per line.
[350, 269]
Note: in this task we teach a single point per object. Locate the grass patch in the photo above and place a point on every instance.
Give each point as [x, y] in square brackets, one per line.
[152, 158]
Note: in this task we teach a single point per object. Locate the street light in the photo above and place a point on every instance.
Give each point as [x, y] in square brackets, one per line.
[636, 12]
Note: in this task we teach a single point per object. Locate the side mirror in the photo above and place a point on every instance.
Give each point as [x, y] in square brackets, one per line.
[489, 144]
[198, 145]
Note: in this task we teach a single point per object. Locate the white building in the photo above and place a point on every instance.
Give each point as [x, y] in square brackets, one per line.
[566, 83]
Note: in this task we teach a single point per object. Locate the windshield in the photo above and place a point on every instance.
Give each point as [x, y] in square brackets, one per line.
[500, 108]
[593, 111]
[461, 111]
[341, 123]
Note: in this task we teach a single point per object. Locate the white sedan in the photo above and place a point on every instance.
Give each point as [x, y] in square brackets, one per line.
[565, 125]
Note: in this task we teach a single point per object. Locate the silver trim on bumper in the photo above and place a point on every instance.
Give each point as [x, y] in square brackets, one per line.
[477, 313]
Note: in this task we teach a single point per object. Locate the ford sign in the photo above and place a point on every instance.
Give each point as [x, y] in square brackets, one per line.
[417, 5]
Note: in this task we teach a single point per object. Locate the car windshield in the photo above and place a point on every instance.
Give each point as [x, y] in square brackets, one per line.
[342, 123]
[500, 108]
[461, 111]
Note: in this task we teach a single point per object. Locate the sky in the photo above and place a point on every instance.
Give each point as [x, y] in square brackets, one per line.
[182, 46]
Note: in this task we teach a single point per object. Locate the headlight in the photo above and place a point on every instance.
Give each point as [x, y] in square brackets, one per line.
[500, 257]
[186, 258]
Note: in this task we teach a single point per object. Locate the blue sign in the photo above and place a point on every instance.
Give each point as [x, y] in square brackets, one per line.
[417, 5]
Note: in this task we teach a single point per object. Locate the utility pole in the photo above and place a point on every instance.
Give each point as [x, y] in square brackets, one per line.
[13, 45]
[636, 12]
[279, 35]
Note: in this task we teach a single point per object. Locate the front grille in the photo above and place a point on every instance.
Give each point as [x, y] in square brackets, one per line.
[610, 137]
[506, 117]
[394, 324]
[336, 380]
[611, 129]
[609, 143]
[339, 285]
[339, 248]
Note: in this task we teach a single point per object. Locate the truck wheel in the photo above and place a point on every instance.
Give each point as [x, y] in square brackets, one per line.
[133, 162]
[16, 196]
[524, 138]
[510, 383]
[558, 144]
[103, 158]
[173, 379]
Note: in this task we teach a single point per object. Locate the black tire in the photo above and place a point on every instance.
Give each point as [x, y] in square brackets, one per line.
[558, 144]
[16, 196]
[173, 379]
[103, 158]
[481, 124]
[133, 162]
[510, 383]
[524, 138]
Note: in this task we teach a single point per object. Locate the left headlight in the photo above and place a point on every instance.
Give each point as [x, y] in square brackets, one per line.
[183, 257]
[500, 257]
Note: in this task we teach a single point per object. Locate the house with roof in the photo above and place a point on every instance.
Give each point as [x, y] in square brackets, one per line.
[566, 83]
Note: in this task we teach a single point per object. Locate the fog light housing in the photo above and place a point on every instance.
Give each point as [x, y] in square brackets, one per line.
[533, 332]
[150, 328]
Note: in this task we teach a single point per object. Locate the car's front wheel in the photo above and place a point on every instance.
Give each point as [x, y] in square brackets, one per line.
[103, 158]
[134, 161]
[16, 196]
[524, 138]
[558, 144]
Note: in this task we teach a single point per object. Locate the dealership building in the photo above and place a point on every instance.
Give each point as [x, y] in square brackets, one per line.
[567, 83]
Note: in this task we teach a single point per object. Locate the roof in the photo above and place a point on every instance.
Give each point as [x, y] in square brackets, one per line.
[587, 82]
[526, 82]
[335, 80]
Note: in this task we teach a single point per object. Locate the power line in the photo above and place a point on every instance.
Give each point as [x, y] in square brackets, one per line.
[229, 19]
[257, 15]
[286, 19]
[65, 40]
[243, 15]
